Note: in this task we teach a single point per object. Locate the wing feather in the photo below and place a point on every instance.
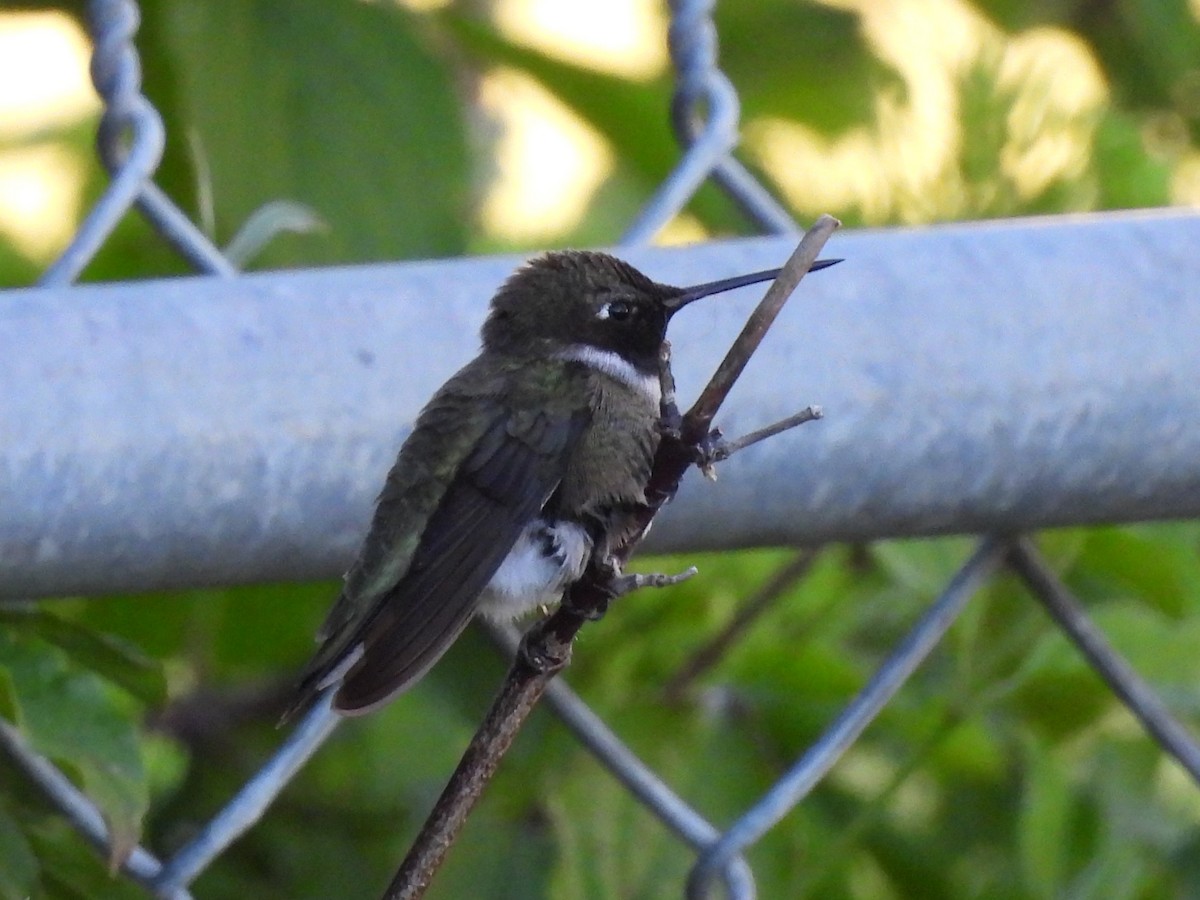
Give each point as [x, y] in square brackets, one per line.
[419, 620]
[517, 462]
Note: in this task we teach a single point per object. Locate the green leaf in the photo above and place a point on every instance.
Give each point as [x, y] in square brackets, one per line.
[923, 566]
[1147, 48]
[1148, 564]
[71, 870]
[608, 844]
[18, 865]
[1054, 690]
[334, 104]
[266, 627]
[1162, 651]
[15, 267]
[110, 657]
[1167, 37]
[821, 69]
[1044, 819]
[1126, 174]
[69, 715]
[632, 116]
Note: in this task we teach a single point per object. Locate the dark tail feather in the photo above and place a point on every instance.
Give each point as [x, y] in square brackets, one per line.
[320, 678]
[368, 686]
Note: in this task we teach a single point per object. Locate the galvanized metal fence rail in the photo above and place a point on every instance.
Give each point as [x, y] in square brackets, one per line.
[1018, 436]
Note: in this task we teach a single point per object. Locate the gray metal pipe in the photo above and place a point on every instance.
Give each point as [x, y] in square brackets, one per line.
[985, 377]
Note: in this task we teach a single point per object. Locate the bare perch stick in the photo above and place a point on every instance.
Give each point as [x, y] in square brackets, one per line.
[808, 414]
[546, 647]
[700, 416]
[520, 693]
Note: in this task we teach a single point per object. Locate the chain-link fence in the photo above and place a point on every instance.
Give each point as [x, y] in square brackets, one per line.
[1152, 475]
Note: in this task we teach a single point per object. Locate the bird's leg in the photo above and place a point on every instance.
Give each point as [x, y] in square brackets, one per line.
[670, 424]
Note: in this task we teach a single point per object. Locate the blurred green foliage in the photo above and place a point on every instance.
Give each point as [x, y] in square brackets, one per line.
[1003, 770]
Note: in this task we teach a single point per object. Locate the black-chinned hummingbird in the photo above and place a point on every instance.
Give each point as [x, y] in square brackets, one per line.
[522, 466]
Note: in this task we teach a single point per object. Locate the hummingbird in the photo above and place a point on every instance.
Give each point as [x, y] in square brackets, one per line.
[524, 465]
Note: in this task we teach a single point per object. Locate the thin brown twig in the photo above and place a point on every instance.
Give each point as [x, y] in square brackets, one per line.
[726, 449]
[699, 417]
[716, 449]
[518, 695]
[546, 648]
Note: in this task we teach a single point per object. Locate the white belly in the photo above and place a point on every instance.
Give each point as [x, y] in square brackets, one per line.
[544, 560]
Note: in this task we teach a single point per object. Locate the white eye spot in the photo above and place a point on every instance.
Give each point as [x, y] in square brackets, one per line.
[620, 310]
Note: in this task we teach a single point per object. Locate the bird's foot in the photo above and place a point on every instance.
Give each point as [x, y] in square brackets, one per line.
[543, 656]
[625, 584]
[617, 583]
[712, 449]
[670, 425]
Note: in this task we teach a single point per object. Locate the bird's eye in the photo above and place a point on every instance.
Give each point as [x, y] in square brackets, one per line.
[620, 310]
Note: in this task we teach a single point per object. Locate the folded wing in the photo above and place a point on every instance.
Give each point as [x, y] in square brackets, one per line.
[513, 468]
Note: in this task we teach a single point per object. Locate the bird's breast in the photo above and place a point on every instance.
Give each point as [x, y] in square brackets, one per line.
[611, 463]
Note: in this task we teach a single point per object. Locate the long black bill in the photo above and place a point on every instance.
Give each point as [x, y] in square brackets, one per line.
[688, 294]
